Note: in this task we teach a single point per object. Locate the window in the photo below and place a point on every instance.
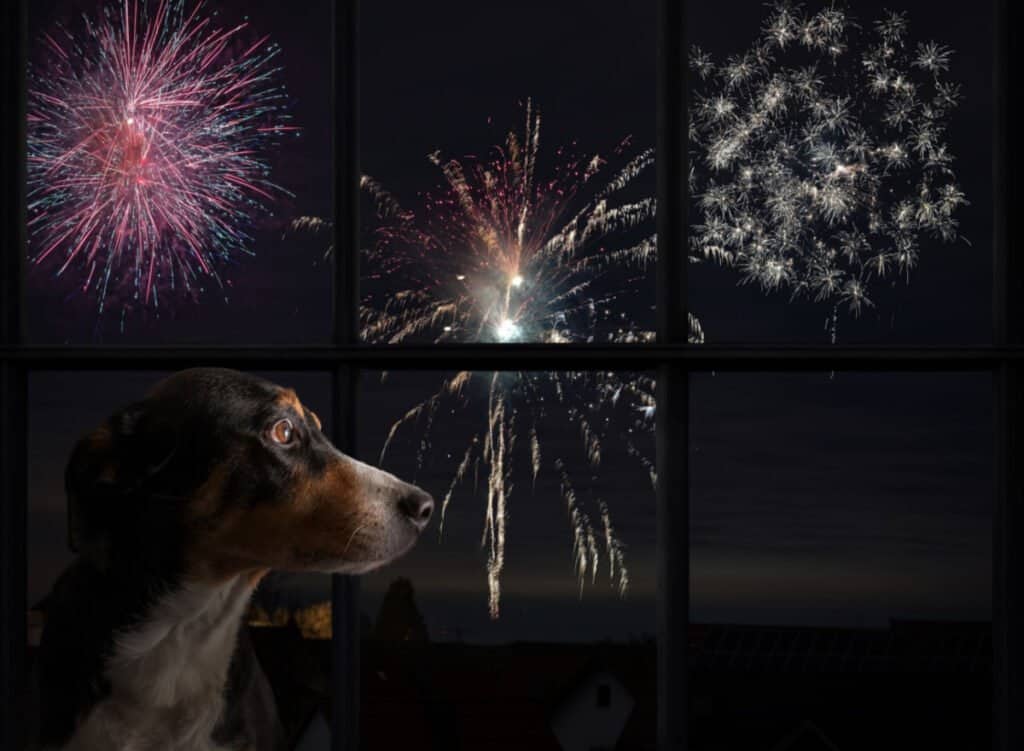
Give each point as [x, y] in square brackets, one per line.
[505, 641]
[841, 545]
[40, 342]
[254, 129]
[868, 117]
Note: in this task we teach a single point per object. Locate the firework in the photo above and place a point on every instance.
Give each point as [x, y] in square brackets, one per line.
[504, 253]
[148, 135]
[819, 160]
[609, 412]
[507, 251]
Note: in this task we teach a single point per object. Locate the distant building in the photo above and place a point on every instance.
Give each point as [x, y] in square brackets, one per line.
[806, 737]
[913, 685]
[317, 734]
[593, 713]
[315, 621]
[260, 617]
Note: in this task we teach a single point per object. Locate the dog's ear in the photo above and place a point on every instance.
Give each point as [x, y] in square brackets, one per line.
[109, 467]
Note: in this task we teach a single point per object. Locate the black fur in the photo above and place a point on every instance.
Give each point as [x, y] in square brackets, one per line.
[126, 508]
[135, 508]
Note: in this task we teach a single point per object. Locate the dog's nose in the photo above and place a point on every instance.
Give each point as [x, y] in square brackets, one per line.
[417, 505]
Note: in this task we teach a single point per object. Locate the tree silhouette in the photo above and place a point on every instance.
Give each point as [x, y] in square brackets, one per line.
[399, 619]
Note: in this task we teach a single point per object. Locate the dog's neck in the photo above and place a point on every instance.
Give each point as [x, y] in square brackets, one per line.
[187, 639]
[167, 673]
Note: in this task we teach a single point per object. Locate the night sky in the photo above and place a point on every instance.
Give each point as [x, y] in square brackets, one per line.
[816, 498]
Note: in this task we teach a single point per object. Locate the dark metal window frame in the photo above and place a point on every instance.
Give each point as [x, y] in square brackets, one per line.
[672, 358]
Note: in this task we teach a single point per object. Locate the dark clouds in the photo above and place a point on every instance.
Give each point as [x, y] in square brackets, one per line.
[853, 498]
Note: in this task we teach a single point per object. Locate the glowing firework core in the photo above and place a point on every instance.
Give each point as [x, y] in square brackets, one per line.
[507, 330]
[122, 147]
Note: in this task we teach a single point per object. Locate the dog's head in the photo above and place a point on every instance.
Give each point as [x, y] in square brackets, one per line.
[234, 473]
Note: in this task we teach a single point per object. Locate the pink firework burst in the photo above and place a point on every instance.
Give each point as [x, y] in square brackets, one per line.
[149, 128]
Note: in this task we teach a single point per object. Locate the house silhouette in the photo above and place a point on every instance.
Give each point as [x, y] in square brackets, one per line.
[805, 737]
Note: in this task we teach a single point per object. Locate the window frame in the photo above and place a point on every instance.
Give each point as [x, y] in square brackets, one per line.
[672, 358]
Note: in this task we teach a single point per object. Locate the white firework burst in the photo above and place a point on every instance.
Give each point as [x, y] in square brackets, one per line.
[818, 157]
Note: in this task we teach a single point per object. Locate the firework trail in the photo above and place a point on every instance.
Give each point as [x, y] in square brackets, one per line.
[819, 160]
[608, 411]
[148, 134]
[506, 252]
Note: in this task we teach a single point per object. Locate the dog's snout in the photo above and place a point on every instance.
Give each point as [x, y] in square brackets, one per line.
[417, 505]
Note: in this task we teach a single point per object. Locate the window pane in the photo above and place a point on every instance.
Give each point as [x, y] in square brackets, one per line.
[169, 194]
[58, 417]
[543, 635]
[842, 180]
[509, 179]
[841, 559]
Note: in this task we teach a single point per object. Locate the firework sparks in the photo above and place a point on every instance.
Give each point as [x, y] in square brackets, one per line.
[148, 131]
[818, 156]
[506, 254]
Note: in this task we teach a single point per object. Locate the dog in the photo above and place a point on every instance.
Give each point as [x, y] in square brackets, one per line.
[179, 505]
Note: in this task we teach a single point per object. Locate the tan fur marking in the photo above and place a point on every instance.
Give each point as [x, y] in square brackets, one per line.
[257, 576]
[210, 495]
[319, 521]
[289, 398]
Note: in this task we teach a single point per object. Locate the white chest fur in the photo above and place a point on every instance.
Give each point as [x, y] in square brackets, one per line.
[167, 674]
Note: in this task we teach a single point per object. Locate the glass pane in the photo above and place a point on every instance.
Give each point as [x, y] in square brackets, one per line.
[175, 153]
[509, 179]
[525, 616]
[841, 553]
[59, 417]
[841, 172]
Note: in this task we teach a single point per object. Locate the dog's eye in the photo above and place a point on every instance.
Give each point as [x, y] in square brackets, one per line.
[282, 432]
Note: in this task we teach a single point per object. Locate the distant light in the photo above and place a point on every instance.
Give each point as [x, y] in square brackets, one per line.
[507, 330]
[447, 328]
[461, 277]
[517, 281]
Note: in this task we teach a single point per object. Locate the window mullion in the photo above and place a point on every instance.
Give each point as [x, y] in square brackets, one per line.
[13, 390]
[345, 637]
[1007, 561]
[12, 171]
[672, 383]
[345, 670]
[13, 553]
[1008, 523]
